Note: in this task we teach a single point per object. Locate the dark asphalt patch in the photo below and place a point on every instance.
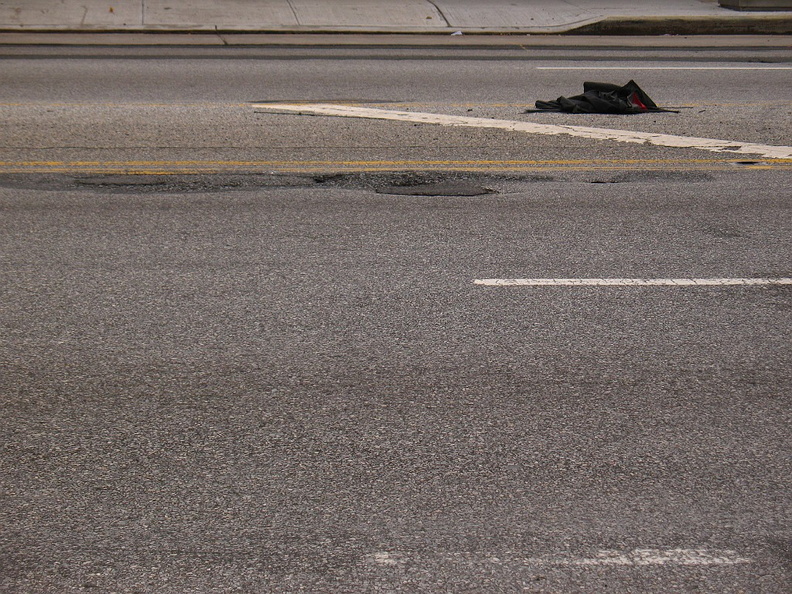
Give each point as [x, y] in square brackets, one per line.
[122, 180]
[685, 177]
[428, 183]
[437, 189]
[398, 183]
[164, 184]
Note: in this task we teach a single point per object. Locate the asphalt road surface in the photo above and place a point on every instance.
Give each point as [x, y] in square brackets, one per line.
[244, 349]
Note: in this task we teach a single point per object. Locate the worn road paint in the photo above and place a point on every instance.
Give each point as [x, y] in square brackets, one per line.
[668, 140]
[630, 282]
[639, 557]
[752, 68]
[134, 167]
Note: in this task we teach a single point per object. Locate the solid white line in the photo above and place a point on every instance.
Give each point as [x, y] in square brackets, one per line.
[707, 144]
[630, 282]
[631, 558]
[639, 68]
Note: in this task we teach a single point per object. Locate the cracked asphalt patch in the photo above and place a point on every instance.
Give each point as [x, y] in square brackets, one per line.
[409, 183]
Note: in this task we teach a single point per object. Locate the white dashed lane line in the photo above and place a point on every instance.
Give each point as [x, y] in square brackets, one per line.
[646, 138]
[630, 282]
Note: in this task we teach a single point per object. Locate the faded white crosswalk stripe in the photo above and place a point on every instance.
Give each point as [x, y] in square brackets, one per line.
[639, 557]
[647, 138]
[630, 282]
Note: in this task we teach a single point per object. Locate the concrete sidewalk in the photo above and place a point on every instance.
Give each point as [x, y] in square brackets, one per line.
[389, 16]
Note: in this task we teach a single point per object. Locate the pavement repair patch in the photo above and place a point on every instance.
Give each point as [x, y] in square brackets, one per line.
[449, 188]
[122, 181]
[403, 183]
[629, 136]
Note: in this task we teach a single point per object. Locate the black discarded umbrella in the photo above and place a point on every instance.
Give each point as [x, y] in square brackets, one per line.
[603, 98]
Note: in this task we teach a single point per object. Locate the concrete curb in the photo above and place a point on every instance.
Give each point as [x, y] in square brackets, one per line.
[739, 24]
[378, 40]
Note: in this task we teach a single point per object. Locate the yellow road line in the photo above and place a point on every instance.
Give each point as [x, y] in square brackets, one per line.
[233, 104]
[34, 104]
[146, 167]
[543, 162]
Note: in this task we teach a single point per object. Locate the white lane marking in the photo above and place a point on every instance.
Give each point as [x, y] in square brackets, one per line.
[638, 557]
[707, 144]
[629, 282]
[631, 558]
[639, 68]
[385, 558]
